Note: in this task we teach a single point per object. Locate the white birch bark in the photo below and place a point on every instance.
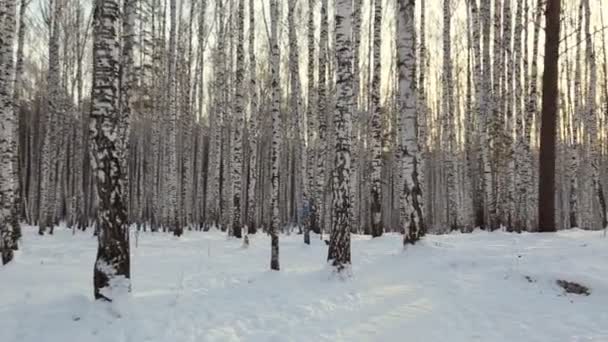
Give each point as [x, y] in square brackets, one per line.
[508, 92]
[519, 218]
[422, 106]
[531, 114]
[575, 150]
[8, 138]
[311, 127]
[376, 127]
[591, 118]
[276, 142]
[253, 125]
[172, 160]
[357, 119]
[295, 104]
[319, 213]
[485, 112]
[49, 147]
[112, 267]
[449, 139]
[17, 91]
[411, 195]
[339, 244]
[496, 122]
[127, 82]
[215, 128]
[239, 113]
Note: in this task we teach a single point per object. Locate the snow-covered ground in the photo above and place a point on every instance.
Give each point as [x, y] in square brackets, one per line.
[203, 287]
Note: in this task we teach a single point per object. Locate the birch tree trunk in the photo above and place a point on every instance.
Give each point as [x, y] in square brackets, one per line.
[49, 147]
[508, 92]
[496, 122]
[216, 124]
[376, 127]
[478, 108]
[591, 118]
[172, 160]
[339, 244]
[226, 91]
[188, 141]
[311, 126]
[112, 266]
[17, 91]
[295, 104]
[127, 98]
[519, 195]
[486, 113]
[319, 214]
[411, 195]
[8, 141]
[239, 113]
[575, 150]
[276, 143]
[421, 106]
[253, 125]
[531, 114]
[448, 120]
[357, 119]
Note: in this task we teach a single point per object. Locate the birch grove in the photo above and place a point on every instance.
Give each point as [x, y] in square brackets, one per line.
[315, 117]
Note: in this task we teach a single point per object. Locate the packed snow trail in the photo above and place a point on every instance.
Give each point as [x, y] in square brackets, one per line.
[204, 287]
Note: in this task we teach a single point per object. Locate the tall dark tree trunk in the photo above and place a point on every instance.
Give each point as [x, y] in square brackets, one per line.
[546, 196]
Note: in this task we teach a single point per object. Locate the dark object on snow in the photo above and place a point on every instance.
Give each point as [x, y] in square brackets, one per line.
[575, 288]
[530, 279]
[326, 242]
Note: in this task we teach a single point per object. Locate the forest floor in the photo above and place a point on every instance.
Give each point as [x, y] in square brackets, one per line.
[204, 287]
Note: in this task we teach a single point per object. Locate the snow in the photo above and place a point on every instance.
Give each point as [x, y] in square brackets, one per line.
[205, 287]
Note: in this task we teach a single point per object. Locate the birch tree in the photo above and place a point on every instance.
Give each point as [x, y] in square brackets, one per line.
[253, 125]
[376, 126]
[311, 126]
[8, 140]
[339, 244]
[49, 147]
[321, 147]
[591, 121]
[216, 124]
[276, 136]
[448, 120]
[531, 114]
[127, 81]
[485, 17]
[172, 186]
[112, 266]
[575, 149]
[237, 142]
[411, 194]
[295, 104]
